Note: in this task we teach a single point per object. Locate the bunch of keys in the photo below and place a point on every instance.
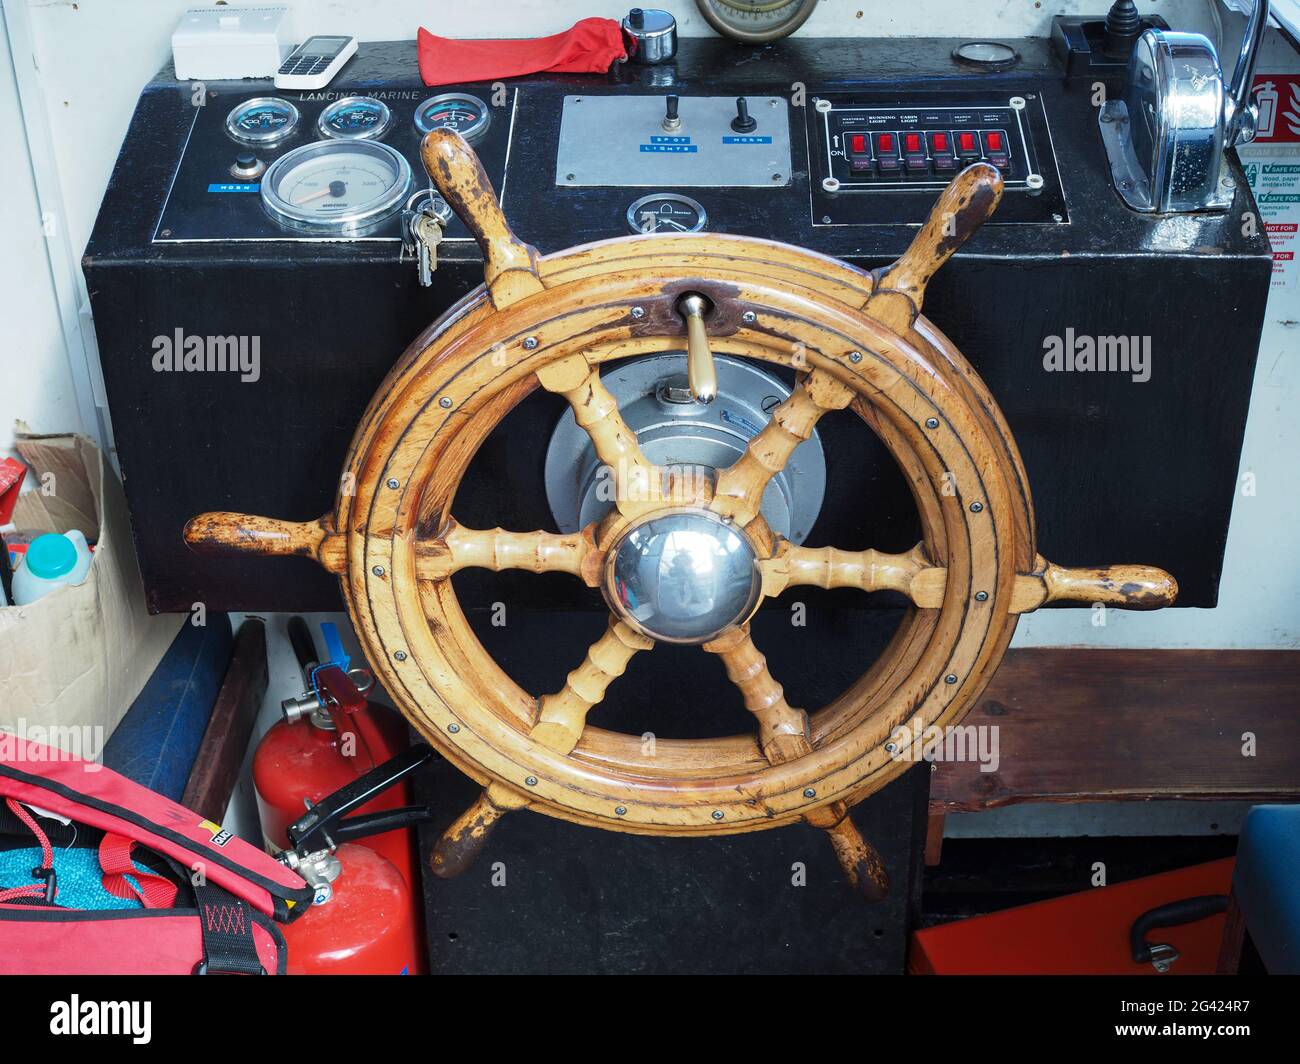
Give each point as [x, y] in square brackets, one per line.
[423, 225]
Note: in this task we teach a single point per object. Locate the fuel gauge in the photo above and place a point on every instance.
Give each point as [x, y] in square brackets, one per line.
[458, 111]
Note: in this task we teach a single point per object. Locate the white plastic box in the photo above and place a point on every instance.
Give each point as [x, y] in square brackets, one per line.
[215, 43]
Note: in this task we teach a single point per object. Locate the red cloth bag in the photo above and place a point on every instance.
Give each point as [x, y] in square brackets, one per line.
[227, 922]
[587, 47]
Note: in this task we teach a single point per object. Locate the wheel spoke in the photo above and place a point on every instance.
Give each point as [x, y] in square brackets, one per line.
[559, 726]
[637, 480]
[870, 570]
[784, 736]
[1133, 587]
[782, 731]
[862, 864]
[740, 487]
[494, 548]
[563, 714]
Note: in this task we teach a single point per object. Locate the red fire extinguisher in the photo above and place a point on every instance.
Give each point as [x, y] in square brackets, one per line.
[363, 918]
[331, 736]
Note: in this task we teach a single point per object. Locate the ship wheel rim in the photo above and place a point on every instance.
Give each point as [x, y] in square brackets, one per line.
[603, 782]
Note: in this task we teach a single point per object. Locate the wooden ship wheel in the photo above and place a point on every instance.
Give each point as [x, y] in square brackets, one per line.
[682, 558]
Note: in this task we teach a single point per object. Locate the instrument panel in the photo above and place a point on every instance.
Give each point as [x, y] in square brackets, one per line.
[337, 166]
[345, 165]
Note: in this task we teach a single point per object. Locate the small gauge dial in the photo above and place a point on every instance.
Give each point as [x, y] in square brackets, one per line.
[262, 121]
[336, 187]
[355, 118]
[458, 111]
[666, 212]
[987, 55]
[756, 21]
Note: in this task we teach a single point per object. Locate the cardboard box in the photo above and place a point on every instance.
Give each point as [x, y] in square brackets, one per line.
[71, 663]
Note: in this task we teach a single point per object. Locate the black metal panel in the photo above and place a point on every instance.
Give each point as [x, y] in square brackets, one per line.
[206, 203]
[1121, 471]
[877, 195]
[549, 896]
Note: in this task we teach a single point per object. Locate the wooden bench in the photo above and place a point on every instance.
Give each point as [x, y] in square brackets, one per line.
[1130, 725]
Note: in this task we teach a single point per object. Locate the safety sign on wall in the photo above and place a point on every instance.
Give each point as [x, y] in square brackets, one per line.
[1272, 165]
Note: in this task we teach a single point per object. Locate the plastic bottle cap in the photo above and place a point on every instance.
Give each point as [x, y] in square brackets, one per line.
[51, 556]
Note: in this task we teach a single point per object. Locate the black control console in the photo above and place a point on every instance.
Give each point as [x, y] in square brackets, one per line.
[274, 220]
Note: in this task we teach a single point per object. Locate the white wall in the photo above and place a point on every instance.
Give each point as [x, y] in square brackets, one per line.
[93, 57]
[35, 381]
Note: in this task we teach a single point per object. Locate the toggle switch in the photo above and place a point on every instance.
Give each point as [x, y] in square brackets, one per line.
[859, 153]
[914, 153]
[995, 149]
[743, 122]
[941, 151]
[671, 122]
[886, 152]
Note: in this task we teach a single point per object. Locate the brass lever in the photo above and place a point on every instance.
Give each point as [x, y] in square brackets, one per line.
[700, 371]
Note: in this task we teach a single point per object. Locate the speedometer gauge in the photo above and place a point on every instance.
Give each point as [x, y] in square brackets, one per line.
[458, 111]
[262, 121]
[355, 118]
[336, 187]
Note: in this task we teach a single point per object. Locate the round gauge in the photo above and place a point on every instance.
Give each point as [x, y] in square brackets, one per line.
[458, 111]
[355, 118]
[336, 186]
[987, 55]
[262, 121]
[756, 21]
[666, 212]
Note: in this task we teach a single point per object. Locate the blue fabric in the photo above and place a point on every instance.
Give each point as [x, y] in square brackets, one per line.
[1266, 883]
[79, 882]
[157, 742]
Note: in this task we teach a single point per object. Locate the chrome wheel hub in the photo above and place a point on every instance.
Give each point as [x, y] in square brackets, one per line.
[683, 576]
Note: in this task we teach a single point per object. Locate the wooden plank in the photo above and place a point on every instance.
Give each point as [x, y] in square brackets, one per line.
[1096, 725]
[215, 772]
[934, 836]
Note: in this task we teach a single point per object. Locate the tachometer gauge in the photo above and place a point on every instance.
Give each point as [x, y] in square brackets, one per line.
[756, 21]
[336, 187]
[458, 111]
[355, 118]
[262, 121]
